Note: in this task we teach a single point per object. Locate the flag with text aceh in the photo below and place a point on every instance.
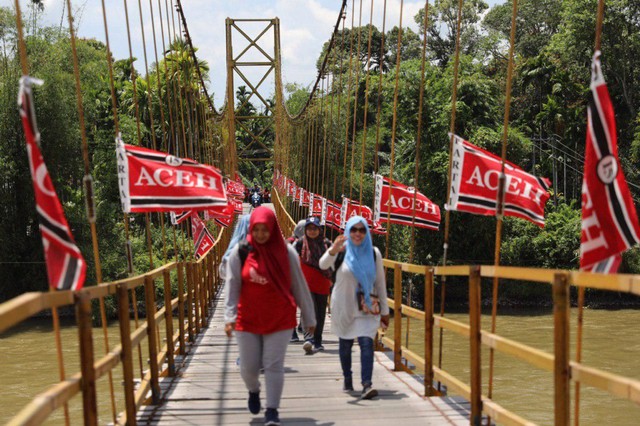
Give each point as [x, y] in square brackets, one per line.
[609, 219]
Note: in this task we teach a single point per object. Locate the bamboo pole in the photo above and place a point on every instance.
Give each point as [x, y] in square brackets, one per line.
[475, 345]
[397, 317]
[88, 382]
[428, 331]
[127, 353]
[150, 307]
[561, 373]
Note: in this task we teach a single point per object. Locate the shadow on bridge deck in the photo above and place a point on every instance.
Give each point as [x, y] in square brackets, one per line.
[208, 390]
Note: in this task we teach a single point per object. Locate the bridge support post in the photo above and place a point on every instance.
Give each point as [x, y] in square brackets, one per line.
[195, 279]
[428, 332]
[88, 383]
[561, 378]
[181, 308]
[168, 320]
[127, 353]
[150, 308]
[397, 318]
[189, 271]
[475, 337]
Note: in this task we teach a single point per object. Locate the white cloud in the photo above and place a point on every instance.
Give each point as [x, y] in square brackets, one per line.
[304, 24]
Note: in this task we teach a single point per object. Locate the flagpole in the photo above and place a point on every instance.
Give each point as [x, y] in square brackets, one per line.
[447, 215]
[501, 190]
[581, 290]
[54, 310]
[412, 246]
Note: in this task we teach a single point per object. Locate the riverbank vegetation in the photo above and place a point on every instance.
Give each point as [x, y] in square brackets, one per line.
[554, 46]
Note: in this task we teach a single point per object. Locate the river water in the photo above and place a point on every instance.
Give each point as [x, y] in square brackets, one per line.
[611, 342]
[29, 366]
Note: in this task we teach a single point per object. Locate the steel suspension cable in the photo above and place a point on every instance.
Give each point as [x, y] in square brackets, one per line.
[335, 172]
[114, 105]
[88, 185]
[581, 290]
[165, 136]
[447, 216]
[24, 64]
[151, 123]
[416, 174]
[366, 103]
[355, 104]
[501, 188]
[380, 72]
[348, 102]
[394, 126]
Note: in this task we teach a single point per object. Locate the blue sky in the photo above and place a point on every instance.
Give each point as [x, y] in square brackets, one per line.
[304, 26]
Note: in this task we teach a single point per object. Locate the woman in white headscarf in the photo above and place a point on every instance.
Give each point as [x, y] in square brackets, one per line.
[359, 298]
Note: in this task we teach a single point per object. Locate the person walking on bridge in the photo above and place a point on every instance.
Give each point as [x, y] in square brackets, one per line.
[239, 234]
[310, 248]
[264, 283]
[359, 299]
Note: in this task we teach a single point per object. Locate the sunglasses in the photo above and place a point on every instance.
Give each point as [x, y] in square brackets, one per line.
[361, 230]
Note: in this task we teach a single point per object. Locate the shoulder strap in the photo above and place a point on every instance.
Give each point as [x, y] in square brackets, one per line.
[243, 250]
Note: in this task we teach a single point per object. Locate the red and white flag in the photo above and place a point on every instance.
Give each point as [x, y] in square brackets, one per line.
[152, 181]
[609, 219]
[66, 268]
[292, 189]
[179, 217]
[223, 221]
[427, 213]
[235, 189]
[352, 208]
[303, 195]
[237, 205]
[316, 203]
[202, 239]
[332, 216]
[474, 185]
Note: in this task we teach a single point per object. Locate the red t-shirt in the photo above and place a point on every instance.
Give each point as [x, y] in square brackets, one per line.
[262, 308]
[316, 280]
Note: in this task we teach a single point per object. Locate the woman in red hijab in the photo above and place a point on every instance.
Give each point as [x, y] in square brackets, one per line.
[260, 305]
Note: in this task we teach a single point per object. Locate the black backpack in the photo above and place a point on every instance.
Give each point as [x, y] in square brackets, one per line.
[244, 248]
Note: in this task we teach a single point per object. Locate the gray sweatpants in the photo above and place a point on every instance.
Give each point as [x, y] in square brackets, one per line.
[264, 351]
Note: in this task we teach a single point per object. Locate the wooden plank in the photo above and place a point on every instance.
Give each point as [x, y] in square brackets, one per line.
[517, 273]
[614, 384]
[208, 389]
[451, 325]
[22, 307]
[462, 270]
[521, 351]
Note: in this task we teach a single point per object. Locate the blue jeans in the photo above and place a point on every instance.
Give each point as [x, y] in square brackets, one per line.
[366, 358]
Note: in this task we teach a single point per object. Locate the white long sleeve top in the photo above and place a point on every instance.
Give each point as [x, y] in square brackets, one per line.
[347, 321]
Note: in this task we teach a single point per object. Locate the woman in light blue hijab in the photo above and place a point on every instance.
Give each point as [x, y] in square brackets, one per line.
[239, 234]
[359, 299]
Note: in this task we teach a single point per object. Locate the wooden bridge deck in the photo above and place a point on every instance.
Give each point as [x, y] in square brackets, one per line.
[208, 390]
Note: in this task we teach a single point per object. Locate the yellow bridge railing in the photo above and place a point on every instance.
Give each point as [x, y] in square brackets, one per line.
[558, 363]
[197, 285]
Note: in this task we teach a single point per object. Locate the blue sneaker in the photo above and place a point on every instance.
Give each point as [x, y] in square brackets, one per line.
[271, 417]
[254, 402]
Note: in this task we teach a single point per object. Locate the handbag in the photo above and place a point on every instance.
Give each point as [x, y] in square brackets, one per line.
[362, 304]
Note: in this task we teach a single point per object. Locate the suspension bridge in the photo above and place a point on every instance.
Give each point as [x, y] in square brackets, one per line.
[161, 356]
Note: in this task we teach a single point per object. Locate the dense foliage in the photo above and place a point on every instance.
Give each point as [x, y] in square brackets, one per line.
[554, 46]
[553, 51]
